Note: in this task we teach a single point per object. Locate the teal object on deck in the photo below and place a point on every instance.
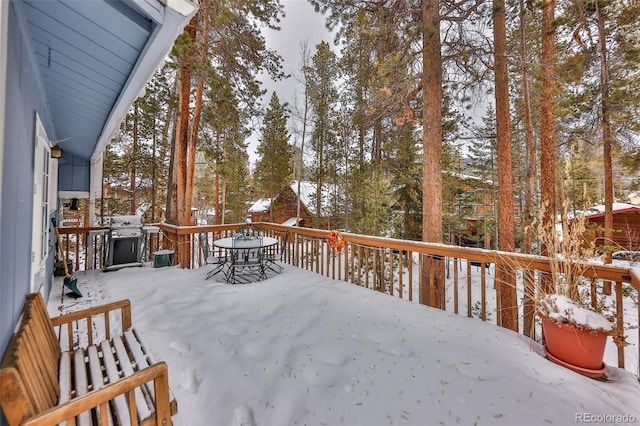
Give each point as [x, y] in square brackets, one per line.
[162, 258]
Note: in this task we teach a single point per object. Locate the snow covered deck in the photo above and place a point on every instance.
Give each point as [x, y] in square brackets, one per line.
[300, 348]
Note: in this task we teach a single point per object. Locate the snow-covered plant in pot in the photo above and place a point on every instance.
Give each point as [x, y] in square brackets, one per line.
[575, 321]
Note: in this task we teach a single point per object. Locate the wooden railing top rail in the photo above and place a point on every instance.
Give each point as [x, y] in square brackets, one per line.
[527, 261]
[187, 230]
[81, 229]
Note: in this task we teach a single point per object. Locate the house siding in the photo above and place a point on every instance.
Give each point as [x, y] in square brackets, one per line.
[626, 230]
[23, 100]
[26, 70]
[74, 174]
[285, 206]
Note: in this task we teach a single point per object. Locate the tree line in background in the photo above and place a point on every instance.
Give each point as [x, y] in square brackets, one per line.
[383, 124]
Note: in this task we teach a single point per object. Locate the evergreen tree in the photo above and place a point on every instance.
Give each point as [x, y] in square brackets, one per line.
[603, 55]
[224, 37]
[274, 167]
[379, 201]
[484, 167]
[405, 171]
[237, 182]
[323, 96]
[136, 158]
[224, 133]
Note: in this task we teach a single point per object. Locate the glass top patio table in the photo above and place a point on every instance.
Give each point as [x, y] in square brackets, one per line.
[251, 243]
[247, 262]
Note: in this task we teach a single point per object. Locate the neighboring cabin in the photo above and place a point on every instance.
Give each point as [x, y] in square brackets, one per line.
[626, 225]
[285, 205]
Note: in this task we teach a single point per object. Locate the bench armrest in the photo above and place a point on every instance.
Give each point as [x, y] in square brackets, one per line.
[82, 322]
[101, 397]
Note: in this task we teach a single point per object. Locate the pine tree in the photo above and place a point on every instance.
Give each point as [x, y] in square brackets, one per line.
[223, 36]
[323, 97]
[547, 119]
[406, 173]
[603, 54]
[483, 165]
[274, 167]
[138, 154]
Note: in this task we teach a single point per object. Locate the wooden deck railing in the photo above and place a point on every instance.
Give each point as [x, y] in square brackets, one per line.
[395, 266]
[83, 246]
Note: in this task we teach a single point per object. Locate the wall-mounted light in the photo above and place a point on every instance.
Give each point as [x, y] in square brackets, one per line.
[56, 152]
[75, 204]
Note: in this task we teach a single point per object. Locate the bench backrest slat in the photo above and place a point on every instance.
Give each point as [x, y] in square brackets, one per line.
[50, 342]
[45, 373]
[30, 364]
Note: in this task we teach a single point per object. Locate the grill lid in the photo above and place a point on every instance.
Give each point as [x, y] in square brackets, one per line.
[123, 222]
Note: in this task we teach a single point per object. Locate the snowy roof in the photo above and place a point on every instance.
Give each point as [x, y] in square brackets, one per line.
[469, 177]
[292, 221]
[260, 206]
[308, 195]
[617, 207]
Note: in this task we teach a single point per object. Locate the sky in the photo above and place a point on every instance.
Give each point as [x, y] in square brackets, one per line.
[300, 348]
[301, 24]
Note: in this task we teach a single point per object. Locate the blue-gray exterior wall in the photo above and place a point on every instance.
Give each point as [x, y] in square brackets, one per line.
[74, 174]
[23, 101]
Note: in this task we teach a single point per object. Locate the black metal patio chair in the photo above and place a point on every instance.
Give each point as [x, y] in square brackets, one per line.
[210, 257]
[277, 256]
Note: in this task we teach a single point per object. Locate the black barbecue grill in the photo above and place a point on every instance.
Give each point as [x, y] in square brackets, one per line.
[124, 243]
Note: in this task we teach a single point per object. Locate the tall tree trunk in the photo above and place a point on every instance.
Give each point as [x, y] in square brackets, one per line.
[154, 169]
[197, 111]
[182, 215]
[168, 120]
[172, 185]
[192, 146]
[607, 139]
[507, 299]
[304, 133]
[547, 125]
[132, 161]
[432, 283]
[530, 184]
[320, 179]
[607, 135]
[223, 209]
[377, 141]
[217, 217]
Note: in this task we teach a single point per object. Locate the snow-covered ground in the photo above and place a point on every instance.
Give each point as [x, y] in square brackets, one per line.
[299, 348]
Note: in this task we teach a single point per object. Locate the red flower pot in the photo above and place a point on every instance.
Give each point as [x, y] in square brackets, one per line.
[579, 350]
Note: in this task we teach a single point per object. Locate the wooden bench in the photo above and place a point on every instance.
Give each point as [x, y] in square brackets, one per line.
[87, 367]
